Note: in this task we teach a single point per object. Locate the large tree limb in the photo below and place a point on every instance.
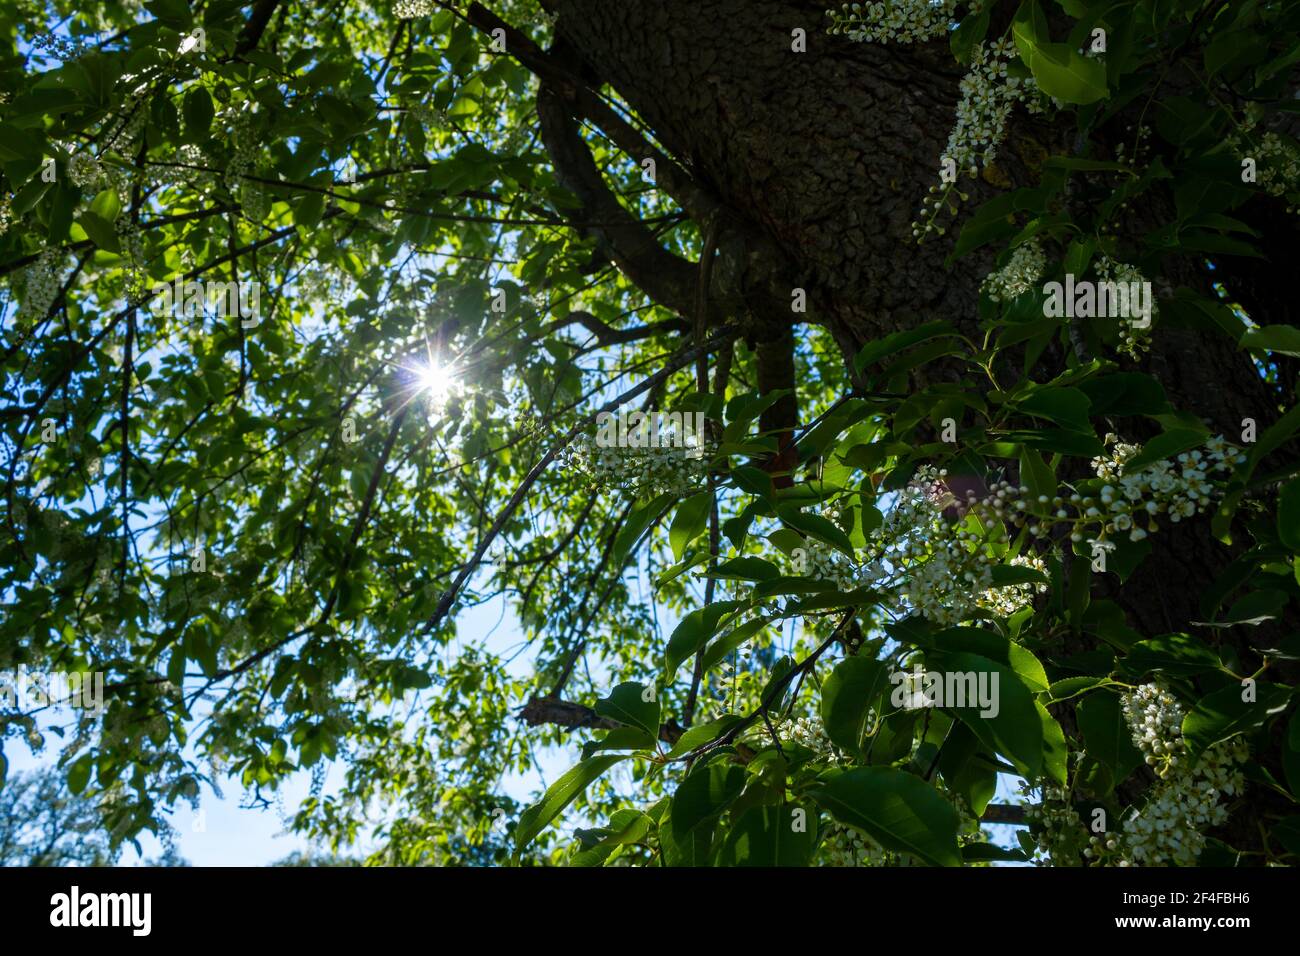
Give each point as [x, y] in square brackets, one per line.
[664, 277]
[256, 25]
[552, 70]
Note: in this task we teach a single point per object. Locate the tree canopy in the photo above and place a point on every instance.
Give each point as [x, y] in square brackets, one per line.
[847, 407]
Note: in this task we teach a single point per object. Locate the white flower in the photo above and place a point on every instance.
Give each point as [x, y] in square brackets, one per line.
[412, 9]
[84, 171]
[1020, 274]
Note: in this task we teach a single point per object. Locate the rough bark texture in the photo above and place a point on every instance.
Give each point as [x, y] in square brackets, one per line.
[826, 155]
[826, 152]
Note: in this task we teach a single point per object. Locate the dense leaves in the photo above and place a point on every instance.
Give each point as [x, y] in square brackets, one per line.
[306, 334]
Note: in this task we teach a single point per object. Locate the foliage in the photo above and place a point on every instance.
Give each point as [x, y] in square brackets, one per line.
[41, 824]
[264, 525]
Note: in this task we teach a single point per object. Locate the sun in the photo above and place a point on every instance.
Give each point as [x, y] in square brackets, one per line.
[434, 380]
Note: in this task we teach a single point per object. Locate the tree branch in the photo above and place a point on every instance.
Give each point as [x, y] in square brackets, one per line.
[551, 70]
[664, 277]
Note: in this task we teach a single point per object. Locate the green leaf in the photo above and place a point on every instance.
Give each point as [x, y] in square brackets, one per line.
[1125, 393]
[634, 704]
[1178, 655]
[693, 632]
[1284, 339]
[848, 694]
[1056, 753]
[753, 480]
[746, 568]
[1254, 609]
[1067, 407]
[1061, 71]
[689, 521]
[1014, 729]
[873, 352]
[1037, 476]
[107, 205]
[823, 529]
[699, 801]
[743, 409]
[1005, 575]
[620, 738]
[900, 811]
[79, 774]
[197, 110]
[1273, 437]
[732, 640]
[1072, 687]
[1106, 734]
[1225, 714]
[702, 734]
[100, 231]
[1288, 515]
[771, 836]
[641, 518]
[560, 794]
[625, 826]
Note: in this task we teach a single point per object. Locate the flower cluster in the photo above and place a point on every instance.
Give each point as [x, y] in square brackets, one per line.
[643, 471]
[942, 570]
[1021, 273]
[1169, 828]
[1180, 488]
[825, 563]
[59, 47]
[1277, 162]
[428, 115]
[898, 21]
[241, 156]
[919, 558]
[988, 94]
[41, 284]
[844, 846]
[184, 172]
[1011, 598]
[1057, 829]
[1135, 340]
[6, 214]
[254, 202]
[412, 9]
[804, 731]
[1128, 503]
[84, 171]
